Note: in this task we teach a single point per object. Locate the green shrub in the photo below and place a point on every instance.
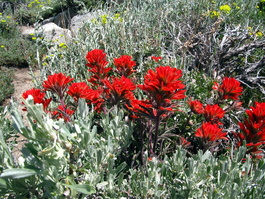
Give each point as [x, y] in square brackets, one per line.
[6, 84]
[89, 154]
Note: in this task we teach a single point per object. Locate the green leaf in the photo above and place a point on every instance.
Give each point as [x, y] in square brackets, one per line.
[3, 184]
[83, 188]
[18, 173]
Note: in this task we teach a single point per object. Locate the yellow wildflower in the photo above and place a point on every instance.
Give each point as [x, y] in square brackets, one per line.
[225, 8]
[117, 15]
[33, 38]
[94, 21]
[3, 20]
[8, 17]
[214, 14]
[104, 19]
[2, 46]
[62, 44]
[259, 34]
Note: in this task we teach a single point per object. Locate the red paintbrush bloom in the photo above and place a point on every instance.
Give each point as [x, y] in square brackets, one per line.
[96, 57]
[184, 143]
[213, 113]
[97, 63]
[78, 90]
[95, 97]
[229, 89]
[257, 113]
[119, 90]
[63, 112]
[156, 59]
[38, 97]
[210, 132]
[124, 65]
[57, 83]
[163, 85]
[142, 108]
[196, 106]
[253, 128]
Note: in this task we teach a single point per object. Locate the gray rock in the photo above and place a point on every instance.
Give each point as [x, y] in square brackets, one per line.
[63, 19]
[52, 32]
[78, 21]
[26, 30]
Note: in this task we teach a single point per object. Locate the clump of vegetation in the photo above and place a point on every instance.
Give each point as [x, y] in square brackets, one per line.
[150, 100]
[7, 88]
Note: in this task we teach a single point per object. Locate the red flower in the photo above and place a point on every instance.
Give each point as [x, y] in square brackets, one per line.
[196, 106]
[63, 112]
[78, 90]
[210, 132]
[97, 63]
[96, 57]
[38, 97]
[163, 85]
[95, 97]
[119, 90]
[142, 108]
[57, 83]
[253, 128]
[229, 89]
[184, 143]
[124, 65]
[213, 113]
[257, 114]
[156, 59]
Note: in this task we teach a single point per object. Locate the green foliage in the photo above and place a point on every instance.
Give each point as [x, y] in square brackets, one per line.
[97, 155]
[34, 11]
[15, 52]
[14, 49]
[6, 85]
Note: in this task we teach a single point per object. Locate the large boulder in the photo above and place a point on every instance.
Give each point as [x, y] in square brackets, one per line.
[78, 21]
[54, 33]
[63, 19]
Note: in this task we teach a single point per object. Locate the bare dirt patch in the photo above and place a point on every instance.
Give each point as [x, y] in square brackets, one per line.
[22, 81]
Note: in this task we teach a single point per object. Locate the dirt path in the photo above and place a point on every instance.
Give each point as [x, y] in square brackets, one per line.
[22, 82]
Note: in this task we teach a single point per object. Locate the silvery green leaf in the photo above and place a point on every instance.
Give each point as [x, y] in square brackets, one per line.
[83, 188]
[18, 173]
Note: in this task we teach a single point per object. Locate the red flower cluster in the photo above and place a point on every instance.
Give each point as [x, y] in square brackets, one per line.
[78, 90]
[196, 106]
[161, 86]
[156, 59]
[97, 62]
[229, 89]
[253, 128]
[119, 90]
[124, 65]
[210, 132]
[63, 112]
[213, 113]
[38, 97]
[57, 83]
